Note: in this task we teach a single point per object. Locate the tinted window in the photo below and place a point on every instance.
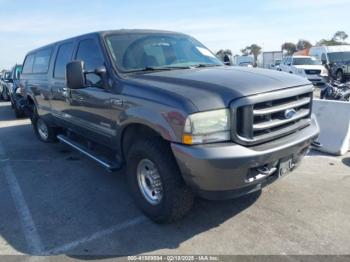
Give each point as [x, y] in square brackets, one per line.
[339, 56]
[28, 64]
[63, 58]
[41, 61]
[89, 52]
[16, 72]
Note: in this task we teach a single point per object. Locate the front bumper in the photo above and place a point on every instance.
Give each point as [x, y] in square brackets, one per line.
[316, 79]
[227, 170]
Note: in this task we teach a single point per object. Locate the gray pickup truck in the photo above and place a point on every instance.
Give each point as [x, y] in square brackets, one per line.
[161, 103]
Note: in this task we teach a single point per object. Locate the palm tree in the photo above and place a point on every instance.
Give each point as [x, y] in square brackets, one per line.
[254, 50]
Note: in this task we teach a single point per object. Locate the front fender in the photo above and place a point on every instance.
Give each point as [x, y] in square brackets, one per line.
[167, 122]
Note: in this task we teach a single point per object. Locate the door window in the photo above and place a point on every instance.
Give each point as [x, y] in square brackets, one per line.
[89, 52]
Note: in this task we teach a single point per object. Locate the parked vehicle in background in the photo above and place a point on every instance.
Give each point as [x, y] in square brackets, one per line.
[243, 60]
[334, 90]
[5, 86]
[272, 59]
[305, 66]
[16, 92]
[164, 105]
[337, 57]
[276, 64]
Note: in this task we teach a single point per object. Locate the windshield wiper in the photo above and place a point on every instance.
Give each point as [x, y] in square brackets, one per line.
[204, 65]
[153, 68]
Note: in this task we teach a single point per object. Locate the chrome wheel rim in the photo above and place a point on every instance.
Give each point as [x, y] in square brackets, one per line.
[149, 181]
[42, 129]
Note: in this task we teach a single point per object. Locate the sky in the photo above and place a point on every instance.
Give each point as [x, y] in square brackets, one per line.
[218, 24]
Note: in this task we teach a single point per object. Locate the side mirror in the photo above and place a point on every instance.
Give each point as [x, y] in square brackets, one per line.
[75, 75]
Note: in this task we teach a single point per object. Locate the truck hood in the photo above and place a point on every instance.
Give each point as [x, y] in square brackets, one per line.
[215, 87]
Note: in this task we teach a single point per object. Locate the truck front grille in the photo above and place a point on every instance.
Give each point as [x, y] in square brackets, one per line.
[261, 118]
[312, 72]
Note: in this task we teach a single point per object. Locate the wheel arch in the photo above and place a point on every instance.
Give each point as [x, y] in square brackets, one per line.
[134, 131]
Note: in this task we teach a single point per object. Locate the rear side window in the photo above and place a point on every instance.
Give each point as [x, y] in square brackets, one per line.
[28, 64]
[41, 61]
[64, 56]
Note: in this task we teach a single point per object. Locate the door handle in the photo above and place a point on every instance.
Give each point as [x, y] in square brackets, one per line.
[116, 102]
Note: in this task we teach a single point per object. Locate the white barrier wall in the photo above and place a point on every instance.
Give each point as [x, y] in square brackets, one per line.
[334, 121]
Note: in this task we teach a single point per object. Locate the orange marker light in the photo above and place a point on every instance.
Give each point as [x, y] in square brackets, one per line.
[187, 139]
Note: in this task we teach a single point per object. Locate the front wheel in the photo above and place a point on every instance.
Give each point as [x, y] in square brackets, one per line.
[156, 182]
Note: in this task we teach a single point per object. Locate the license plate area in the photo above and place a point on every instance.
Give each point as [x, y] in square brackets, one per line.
[286, 165]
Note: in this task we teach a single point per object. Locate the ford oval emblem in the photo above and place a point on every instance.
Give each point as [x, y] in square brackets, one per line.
[289, 113]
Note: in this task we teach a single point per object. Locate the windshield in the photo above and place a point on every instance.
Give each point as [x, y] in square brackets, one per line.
[277, 62]
[339, 56]
[306, 61]
[139, 52]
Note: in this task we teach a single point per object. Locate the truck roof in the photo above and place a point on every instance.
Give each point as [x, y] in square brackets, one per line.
[335, 48]
[108, 32]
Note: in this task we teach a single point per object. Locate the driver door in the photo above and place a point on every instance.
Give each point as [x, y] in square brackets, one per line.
[90, 107]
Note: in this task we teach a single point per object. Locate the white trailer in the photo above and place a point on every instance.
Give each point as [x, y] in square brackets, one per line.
[269, 58]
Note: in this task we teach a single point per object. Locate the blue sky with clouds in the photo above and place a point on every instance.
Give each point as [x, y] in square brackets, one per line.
[25, 25]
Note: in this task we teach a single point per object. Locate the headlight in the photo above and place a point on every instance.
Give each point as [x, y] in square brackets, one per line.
[207, 127]
[324, 72]
[300, 71]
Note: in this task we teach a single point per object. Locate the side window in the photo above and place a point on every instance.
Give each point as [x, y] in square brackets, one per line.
[41, 61]
[89, 52]
[28, 64]
[64, 56]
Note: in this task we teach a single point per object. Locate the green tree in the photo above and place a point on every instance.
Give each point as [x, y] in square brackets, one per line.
[328, 42]
[340, 36]
[338, 39]
[223, 52]
[289, 47]
[303, 44]
[254, 50]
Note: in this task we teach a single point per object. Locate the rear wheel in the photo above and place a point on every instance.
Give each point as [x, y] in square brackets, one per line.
[18, 112]
[340, 76]
[347, 97]
[156, 182]
[5, 95]
[42, 129]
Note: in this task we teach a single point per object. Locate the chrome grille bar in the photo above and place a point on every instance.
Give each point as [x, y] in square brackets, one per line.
[278, 122]
[282, 107]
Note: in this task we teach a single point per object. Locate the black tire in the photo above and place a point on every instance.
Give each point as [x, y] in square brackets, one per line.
[177, 198]
[18, 113]
[5, 95]
[37, 123]
[347, 97]
[340, 76]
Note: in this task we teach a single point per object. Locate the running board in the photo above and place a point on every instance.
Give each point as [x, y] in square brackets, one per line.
[110, 165]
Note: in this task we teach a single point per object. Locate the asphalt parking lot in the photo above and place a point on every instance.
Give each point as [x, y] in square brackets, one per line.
[55, 201]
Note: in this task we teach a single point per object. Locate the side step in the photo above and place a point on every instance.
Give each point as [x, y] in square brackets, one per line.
[110, 165]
